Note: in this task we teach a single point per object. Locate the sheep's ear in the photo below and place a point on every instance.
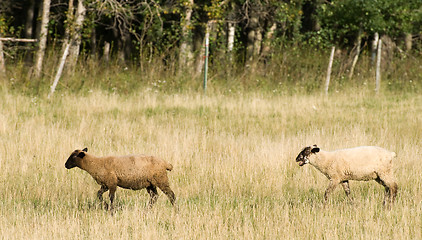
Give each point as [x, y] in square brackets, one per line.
[315, 150]
[81, 155]
[85, 149]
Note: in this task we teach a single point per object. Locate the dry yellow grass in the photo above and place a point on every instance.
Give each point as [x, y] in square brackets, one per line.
[234, 172]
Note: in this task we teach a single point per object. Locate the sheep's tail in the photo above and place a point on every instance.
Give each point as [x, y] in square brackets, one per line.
[169, 167]
[393, 155]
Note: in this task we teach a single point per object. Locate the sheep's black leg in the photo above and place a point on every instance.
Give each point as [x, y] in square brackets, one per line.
[387, 190]
[152, 190]
[112, 191]
[100, 193]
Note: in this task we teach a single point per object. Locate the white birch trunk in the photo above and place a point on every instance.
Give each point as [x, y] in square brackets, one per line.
[43, 38]
[185, 54]
[76, 38]
[374, 48]
[355, 59]
[59, 70]
[230, 38]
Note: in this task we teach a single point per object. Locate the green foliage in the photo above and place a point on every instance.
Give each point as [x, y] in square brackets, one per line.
[346, 18]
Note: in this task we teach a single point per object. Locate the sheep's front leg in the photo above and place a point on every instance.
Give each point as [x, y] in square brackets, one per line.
[330, 189]
[112, 191]
[100, 193]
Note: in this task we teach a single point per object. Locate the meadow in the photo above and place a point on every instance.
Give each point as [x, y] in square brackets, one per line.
[234, 175]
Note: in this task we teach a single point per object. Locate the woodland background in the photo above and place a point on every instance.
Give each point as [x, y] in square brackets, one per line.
[254, 44]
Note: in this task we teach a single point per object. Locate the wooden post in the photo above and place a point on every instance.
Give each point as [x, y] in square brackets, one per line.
[207, 41]
[2, 67]
[330, 64]
[378, 72]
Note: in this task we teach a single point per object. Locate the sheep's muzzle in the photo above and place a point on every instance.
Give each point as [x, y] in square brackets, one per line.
[302, 158]
[71, 161]
[302, 161]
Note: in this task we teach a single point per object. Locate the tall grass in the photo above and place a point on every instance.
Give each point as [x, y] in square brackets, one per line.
[291, 70]
[234, 172]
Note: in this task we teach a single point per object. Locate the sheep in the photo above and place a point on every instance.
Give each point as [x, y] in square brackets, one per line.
[360, 163]
[130, 172]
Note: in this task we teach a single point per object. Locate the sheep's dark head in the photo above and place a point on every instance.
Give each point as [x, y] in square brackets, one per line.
[303, 157]
[74, 157]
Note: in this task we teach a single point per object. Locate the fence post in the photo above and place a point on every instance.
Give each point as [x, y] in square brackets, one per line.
[378, 71]
[330, 64]
[207, 36]
[2, 66]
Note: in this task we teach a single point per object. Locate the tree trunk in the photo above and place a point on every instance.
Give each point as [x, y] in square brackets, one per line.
[93, 42]
[76, 37]
[59, 70]
[267, 41]
[185, 54]
[254, 39]
[408, 41]
[29, 19]
[356, 57]
[230, 39]
[2, 65]
[106, 52]
[43, 38]
[374, 48]
[330, 65]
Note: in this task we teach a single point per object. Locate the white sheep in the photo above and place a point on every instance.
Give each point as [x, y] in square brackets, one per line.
[130, 172]
[360, 163]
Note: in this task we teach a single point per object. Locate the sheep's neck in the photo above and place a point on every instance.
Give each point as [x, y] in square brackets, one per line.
[320, 161]
[88, 164]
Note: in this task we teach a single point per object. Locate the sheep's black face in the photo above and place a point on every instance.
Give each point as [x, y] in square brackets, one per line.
[303, 157]
[74, 157]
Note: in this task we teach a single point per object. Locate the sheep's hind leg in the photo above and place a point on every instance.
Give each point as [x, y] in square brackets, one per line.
[390, 190]
[152, 190]
[170, 194]
[100, 193]
[346, 188]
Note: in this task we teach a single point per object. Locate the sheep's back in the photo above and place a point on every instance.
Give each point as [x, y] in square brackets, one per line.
[137, 171]
[363, 162]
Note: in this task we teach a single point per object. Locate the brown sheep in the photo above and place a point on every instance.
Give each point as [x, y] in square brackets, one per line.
[130, 172]
[360, 163]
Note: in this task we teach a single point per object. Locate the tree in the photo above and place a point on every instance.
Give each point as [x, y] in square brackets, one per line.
[43, 38]
[185, 51]
[76, 34]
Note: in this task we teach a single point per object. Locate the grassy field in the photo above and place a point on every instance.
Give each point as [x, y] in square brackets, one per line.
[234, 175]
